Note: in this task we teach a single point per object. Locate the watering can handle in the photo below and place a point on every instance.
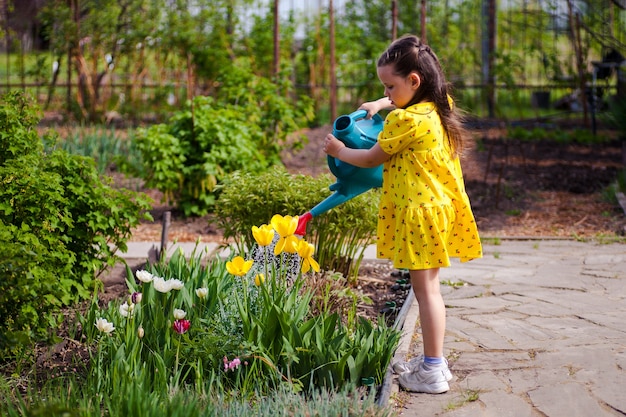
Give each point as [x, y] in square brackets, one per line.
[358, 114]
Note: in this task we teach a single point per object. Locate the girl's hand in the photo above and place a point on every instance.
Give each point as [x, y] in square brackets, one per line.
[332, 145]
[373, 107]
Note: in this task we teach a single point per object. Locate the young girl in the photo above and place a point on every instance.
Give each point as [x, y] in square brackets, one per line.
[424, 215]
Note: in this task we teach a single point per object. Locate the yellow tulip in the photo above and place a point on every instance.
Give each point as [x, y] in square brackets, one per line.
[238, 266]
[259, 279]
[305, 251]
[263, 235]
[285, 227]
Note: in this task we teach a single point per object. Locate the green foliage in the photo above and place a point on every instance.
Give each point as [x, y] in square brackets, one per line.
[243, 128]
[268, 327]
[59, 224]
[169, 43]
[340, 235]
[244, 335]
[611, 192]
[197, 336]
[72, 401]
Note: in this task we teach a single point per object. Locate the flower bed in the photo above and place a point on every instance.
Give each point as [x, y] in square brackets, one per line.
[242, 328]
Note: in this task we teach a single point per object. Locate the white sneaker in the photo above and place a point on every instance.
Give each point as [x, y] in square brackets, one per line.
[401, 367]
[429, 381]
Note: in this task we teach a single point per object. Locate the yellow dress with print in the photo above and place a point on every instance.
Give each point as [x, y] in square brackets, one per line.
[425, 217]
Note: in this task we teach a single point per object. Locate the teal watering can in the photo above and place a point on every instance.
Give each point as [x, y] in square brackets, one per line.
[356, 132]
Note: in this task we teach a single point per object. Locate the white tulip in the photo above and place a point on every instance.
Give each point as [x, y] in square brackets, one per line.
[126, 309]
[176, 284]
[179, 314]
[161, 285]
[202, 293]
[144, 276]
[104, 325]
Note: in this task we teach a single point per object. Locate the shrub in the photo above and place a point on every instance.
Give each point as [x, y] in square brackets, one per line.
[339, 235]
[59, 222]
[243, 127]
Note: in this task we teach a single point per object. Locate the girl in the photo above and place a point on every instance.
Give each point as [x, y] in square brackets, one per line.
[424, 215]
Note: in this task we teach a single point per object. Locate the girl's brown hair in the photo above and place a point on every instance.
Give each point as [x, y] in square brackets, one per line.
[408, 54]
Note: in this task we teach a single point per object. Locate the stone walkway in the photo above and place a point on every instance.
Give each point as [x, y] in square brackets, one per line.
[538, 329]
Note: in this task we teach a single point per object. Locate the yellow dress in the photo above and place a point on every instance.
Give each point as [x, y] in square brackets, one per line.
[425, 215]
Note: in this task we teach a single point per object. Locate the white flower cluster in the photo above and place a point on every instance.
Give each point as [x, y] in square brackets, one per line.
[160, 284]
[127, 309]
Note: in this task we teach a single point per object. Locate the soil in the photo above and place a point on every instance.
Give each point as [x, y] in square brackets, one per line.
[518, 190]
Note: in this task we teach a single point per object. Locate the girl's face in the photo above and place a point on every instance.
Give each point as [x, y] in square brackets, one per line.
[400, 90]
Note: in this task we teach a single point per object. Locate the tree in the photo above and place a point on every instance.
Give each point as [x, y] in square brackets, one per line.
[94, 34]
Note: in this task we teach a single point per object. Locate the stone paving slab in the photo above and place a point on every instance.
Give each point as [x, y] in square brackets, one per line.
[539, 330]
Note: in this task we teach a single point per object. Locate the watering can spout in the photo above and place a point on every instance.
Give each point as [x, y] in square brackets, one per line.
[302, 222]
[358, 133]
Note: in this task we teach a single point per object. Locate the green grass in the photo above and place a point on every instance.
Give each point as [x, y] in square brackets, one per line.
[492, 241]
[453, 284]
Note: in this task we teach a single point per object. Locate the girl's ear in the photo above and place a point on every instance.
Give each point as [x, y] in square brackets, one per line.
[416, 81]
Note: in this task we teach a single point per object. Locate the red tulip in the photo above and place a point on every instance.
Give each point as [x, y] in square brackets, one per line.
[181, 326]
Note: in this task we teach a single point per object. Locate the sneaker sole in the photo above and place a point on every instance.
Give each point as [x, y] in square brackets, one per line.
[438, 388]
[401, 367]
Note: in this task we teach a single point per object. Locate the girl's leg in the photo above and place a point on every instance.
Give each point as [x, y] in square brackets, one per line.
[432, 310]
[432, 375]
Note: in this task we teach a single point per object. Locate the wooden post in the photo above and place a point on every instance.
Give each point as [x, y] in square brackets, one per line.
[333, 64]
[394, 20]
[167, 216]
[423, 22]
[276, 63]
[574, 22]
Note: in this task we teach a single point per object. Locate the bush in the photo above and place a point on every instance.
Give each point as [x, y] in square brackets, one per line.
[339, 235]
[59, 226]
[243, 127]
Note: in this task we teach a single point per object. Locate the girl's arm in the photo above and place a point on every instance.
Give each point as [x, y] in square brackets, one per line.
[363, 158]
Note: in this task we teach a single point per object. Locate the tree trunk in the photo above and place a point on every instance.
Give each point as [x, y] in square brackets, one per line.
[333, 64]
[190, 77]
[7, 39]
[276, 39]
[394, 19]
[574, 23]
[423, 21]
[488, 53]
